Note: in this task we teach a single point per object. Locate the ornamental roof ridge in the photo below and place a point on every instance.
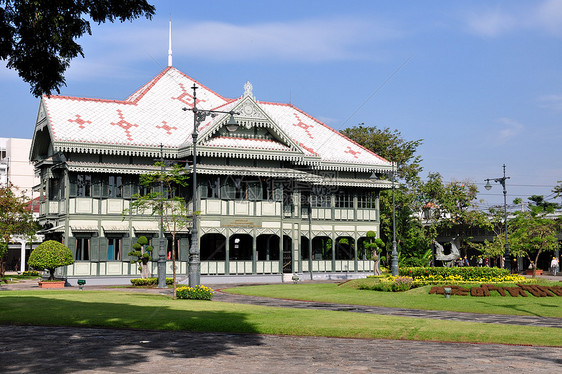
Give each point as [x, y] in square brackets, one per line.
[326, 126]
[75, 98]
[196, 82]
[138, 94]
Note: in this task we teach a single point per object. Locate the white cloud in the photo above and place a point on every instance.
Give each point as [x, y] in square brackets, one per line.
[510, 129]
[306, 40]
[549, 16]
[553, 102]
[312, 40]
[491, 23]
[544, 16]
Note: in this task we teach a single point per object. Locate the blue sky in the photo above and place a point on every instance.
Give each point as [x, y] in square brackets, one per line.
[479, 81]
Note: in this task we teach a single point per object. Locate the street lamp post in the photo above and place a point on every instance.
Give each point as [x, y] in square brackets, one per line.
[488, 186]
[394, 264]
[199, 115]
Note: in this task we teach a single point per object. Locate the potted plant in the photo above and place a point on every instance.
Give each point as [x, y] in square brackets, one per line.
[50, 255]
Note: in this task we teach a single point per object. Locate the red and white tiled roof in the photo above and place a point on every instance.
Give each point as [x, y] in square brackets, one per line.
[153, 116]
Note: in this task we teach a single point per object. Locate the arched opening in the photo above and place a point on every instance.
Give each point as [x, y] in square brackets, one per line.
[345, 248]
[213, 247]
[322, 248]
[305, 248]
[362, 252]
[267, 247]
[241, 247]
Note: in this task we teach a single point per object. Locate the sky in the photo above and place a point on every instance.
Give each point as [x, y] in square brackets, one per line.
[479, 81]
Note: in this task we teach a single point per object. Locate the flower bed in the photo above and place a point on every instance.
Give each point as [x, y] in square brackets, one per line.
[195, 293]
[436, 275]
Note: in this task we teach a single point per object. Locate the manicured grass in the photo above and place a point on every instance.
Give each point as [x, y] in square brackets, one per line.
[418, 298]
[115, 309]
[18, 277]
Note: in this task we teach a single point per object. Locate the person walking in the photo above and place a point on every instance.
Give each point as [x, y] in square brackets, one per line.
[554, 265]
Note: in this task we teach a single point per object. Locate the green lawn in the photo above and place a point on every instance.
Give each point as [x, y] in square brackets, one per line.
[116, 309]
[418, 298]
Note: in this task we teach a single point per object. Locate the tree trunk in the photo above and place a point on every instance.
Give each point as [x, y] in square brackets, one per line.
[535, 263]
[377, 268]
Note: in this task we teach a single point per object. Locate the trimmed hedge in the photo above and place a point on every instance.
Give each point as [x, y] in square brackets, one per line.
[467, 273]
[143, 282]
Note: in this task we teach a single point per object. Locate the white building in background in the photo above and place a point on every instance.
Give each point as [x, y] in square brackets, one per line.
[15, 167]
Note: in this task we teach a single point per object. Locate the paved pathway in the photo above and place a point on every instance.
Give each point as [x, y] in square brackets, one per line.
[30, 349]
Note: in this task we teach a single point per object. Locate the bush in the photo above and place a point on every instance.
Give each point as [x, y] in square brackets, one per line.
[195, 293]
[468, 273]
[389, 284]
[149, 282]
[31, 273]
[50, 255]
[414, 262]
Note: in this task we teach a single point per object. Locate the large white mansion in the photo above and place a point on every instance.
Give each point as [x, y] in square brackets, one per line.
[282, 194]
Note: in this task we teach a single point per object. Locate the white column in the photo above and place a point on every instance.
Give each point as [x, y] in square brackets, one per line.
[22, 254]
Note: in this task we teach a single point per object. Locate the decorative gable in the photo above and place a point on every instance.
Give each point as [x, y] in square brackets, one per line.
[257, 131]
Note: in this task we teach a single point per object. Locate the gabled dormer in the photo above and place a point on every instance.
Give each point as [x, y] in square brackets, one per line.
[257, 137]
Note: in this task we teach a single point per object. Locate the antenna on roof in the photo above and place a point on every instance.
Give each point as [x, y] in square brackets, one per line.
[170, 43]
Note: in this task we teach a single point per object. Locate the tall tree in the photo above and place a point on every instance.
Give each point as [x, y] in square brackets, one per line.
[533, 233]
[166, 202]
[496, 247]
[391, 145]
[37, 38]
[453, 207]
[15, 219]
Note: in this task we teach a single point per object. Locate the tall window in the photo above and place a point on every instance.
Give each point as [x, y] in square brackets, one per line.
[169, 249]
[113, 186]
[83, 185]
[113, 249]
[344, 200]
[320, 198]
[82, 249]
[56, 189]
[366, 201]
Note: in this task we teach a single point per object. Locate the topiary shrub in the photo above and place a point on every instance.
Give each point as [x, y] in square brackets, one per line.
[142, 251]
[50, 255]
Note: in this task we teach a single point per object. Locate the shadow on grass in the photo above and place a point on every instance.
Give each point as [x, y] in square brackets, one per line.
[130, 335]
[516, 307]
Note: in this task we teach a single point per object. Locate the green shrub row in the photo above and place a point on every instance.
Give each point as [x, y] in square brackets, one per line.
[467, 273]
[389, 284]
[31, 273]
[195, 293]
[149, 281]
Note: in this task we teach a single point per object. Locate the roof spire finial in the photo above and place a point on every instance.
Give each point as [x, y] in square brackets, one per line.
[170, 43]
[248, 89]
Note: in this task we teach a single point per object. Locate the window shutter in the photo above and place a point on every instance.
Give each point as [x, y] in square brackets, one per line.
[126, 247]
[73, 188]
[127, 187]
[184, 249]
[95, 248]
[72, 246]
[254, 191]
